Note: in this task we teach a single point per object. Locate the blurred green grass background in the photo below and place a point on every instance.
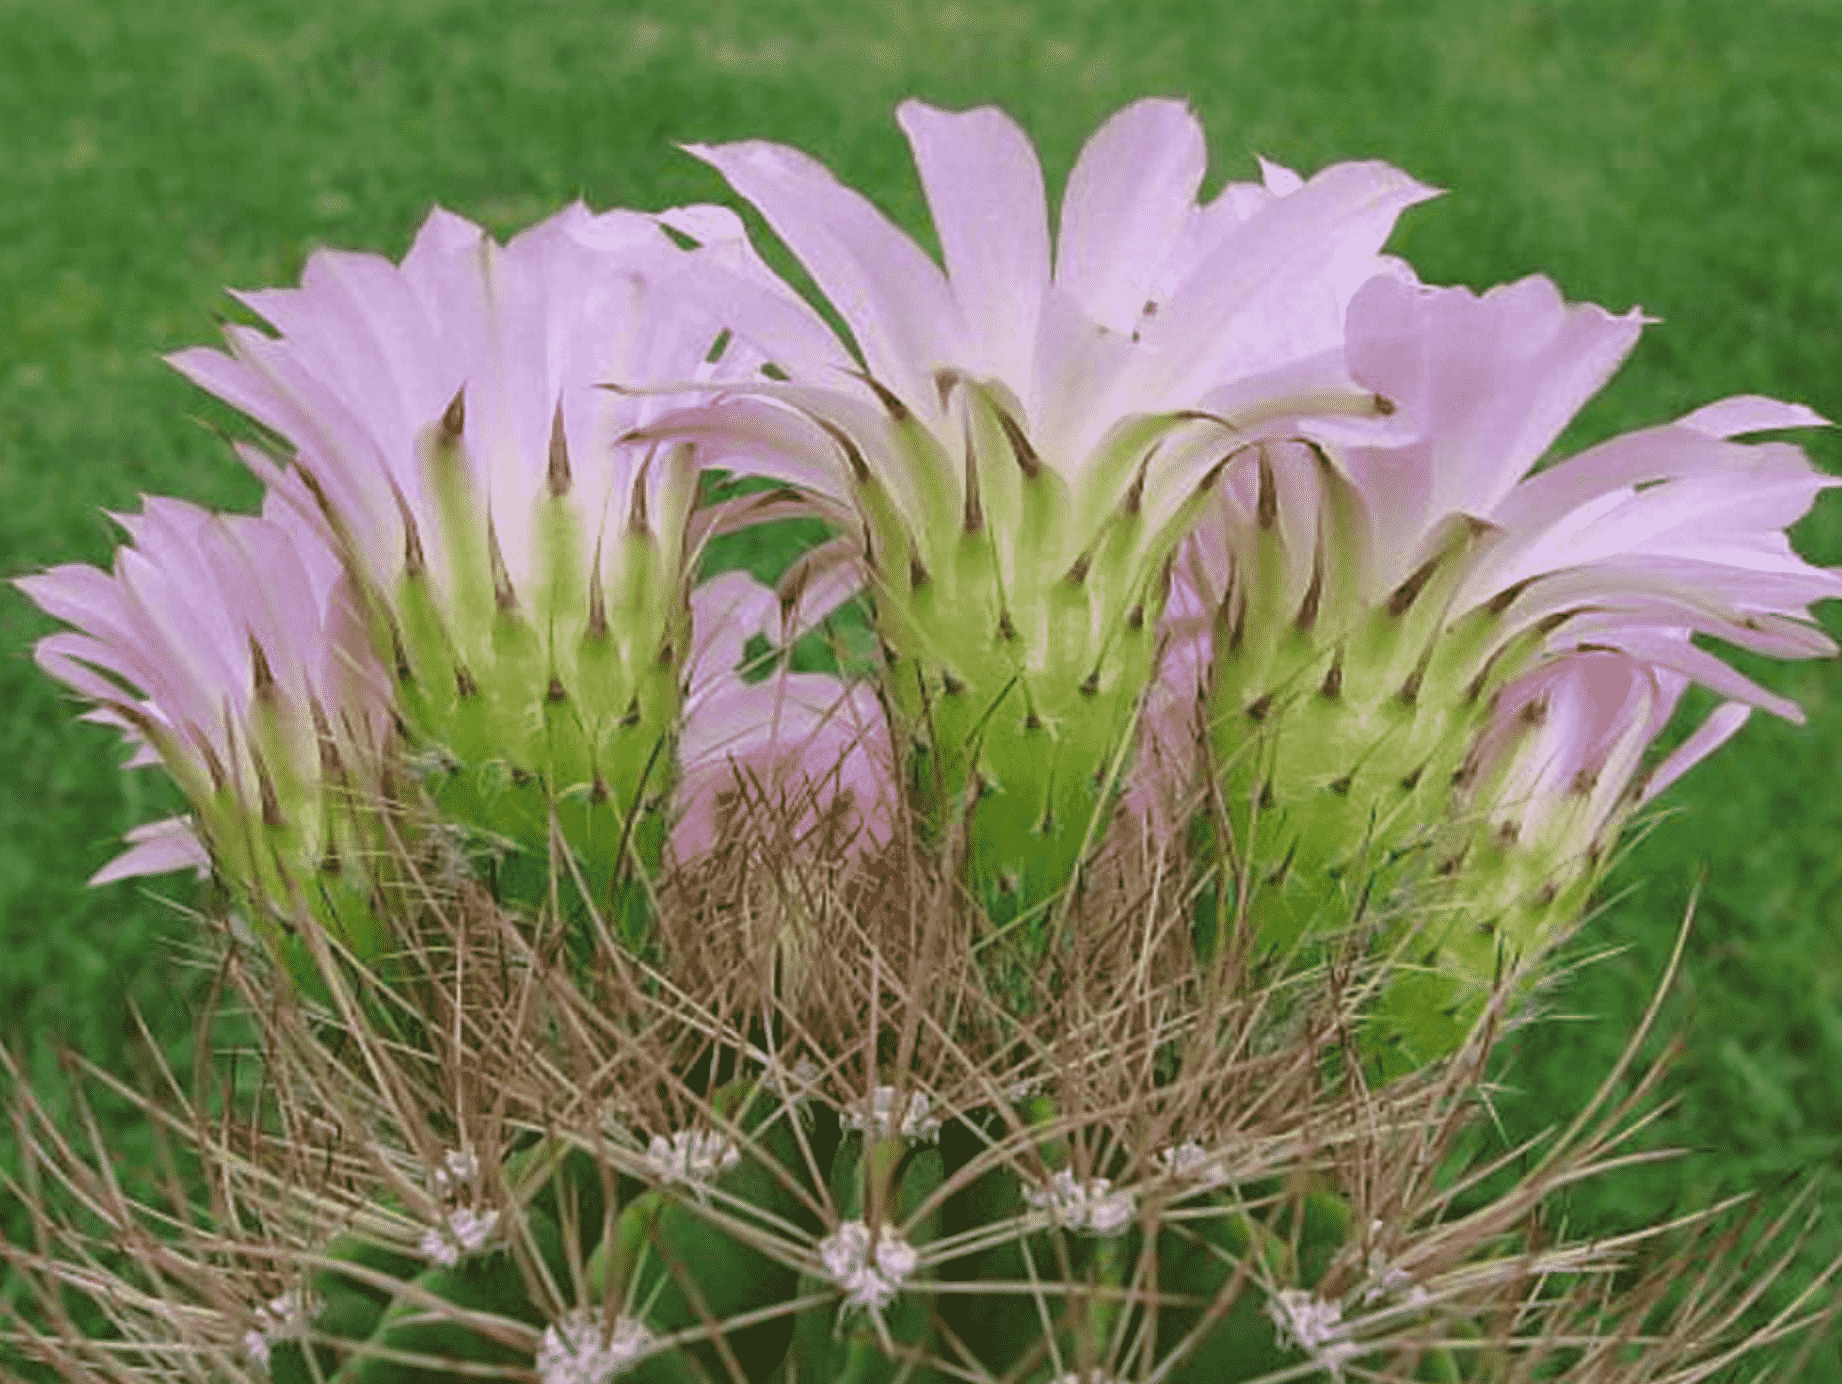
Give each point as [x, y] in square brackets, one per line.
[1685, 155]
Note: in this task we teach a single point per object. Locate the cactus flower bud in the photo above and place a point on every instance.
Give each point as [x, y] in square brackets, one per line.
[228, 649]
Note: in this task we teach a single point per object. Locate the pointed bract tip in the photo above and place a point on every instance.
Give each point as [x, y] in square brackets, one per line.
[263, 677]
[454, 419]
[557, 475]
[1027, 461]
[503, 595]
[853, 456]
[892, 405]
[637, 520]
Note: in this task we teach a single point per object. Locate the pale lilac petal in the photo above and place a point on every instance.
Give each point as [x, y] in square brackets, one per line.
[795, 741]
[892, 296]
[1240, 310]
[1750, 413]
[1486, 383]
[157, 848]
[1073, 389]
[70, 658]
[1669, 452]
[759, 438]
[1709, 736]
[1700, 666]
[164, 649]
[726, 611]
[1126, 205]
[1171, 759]
[369, 338]
[1278, 179]
[772, 319]
[985, 192]
[78, 594]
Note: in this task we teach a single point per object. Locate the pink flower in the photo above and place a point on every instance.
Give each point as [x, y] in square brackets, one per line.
[1013, 444]
[1632, 542]
[506, 349]
[1417, 553]
[227, 649]
[773, 741]
[1539, 803]
[1393, 607]
[460, 421]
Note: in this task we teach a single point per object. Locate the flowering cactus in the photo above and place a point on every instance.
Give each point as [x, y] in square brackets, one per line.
[1015, 450]
[229, 649]
[780, 1124]
[525, 571]
[1392, 610]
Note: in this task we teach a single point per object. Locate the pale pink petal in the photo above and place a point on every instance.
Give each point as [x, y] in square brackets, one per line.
[78, 594]
[757, 437]
[726, 611]
[1709, 736]
[1669, 452]
[1750, 413]
[892, 296]
[1238, 311]
[985, 192]
[1700, 666]
[725, 277]
[157, 848]
[1073, 388]
[70, 658]
[793, 741]
[1126, 205]
[1486, 383]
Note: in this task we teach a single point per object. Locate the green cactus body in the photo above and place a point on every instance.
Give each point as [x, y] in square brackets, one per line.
[569, 1187]
[1000, 1327]
[832, 1342]
[672, 1267]
[554, 703]
[491, 1283]
[679, 1269]
[350, 1307]
[1199, 1257]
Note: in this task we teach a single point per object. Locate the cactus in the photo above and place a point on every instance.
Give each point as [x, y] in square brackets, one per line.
[768, 1105]
[879, 1175]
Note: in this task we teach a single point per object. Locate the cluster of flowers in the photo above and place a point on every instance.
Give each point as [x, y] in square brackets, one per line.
[1195, 490]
